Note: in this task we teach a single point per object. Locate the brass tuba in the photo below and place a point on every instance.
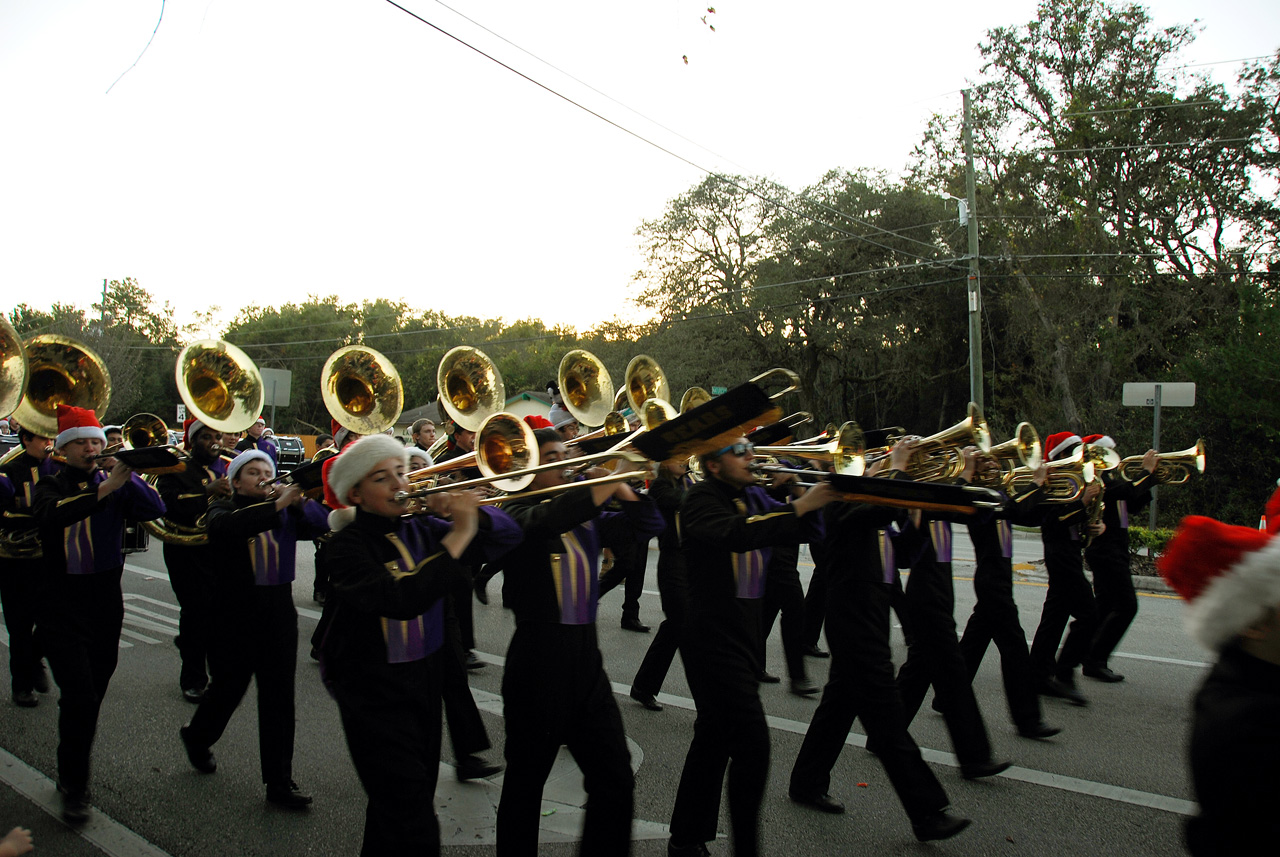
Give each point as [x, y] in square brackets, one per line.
[586, 387]
[361, 390]
[470, 386]
[60, 371]
[220, 385]
[13, 368]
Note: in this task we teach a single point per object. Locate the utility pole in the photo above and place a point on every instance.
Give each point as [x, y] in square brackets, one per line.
[102, 309]
[975, 284]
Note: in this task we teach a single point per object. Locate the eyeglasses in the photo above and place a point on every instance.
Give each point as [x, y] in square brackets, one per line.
[739, 449]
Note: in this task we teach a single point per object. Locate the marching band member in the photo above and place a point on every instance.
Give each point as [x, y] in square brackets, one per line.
[20, 578]
[383, 628]
[1069, 595]
[255, 534]
[255, 439]
[1230, 579]
[861, 682]
[667, 490]
[727, 525]
[995, 613]
[193, 568]
[423, 434]
[555, 691]
[81, 513]
[1108, 558]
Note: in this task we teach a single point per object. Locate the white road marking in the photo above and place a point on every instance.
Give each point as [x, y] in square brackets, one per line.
[112, 837]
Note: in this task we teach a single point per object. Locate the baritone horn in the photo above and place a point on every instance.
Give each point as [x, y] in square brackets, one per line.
[362, 390]
[1174, 468]
[220, 385]
[1067, 478]
[60, 371]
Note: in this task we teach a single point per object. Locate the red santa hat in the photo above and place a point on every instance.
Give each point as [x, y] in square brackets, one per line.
[190, 428]
[1228, 575]
[1102, 440]
[339, 432]
[76, 423]
[1059, 443]
[342, 472]
[537, 421]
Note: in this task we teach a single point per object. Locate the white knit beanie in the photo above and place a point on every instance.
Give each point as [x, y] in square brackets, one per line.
[355, 462]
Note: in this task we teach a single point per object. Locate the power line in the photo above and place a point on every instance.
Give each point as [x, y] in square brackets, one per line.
[1134, 146]
[1140, 107]
[640, 137]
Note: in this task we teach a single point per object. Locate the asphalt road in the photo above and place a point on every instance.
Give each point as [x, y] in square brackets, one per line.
[1114, 781]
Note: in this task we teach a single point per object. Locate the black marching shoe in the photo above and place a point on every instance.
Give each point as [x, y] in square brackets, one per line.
[476, 767]
[481, 587]
[194, 695]
[287, 795]
[815, 652]
[989, 768]
[631, 624]
[646, 699]
[201, 758]
[1039, 729]
[697, 849]
[25, 699]
[1063, 689]
[41, 682]
[803, 687]
[75, 805]
[939, 825]
[765, 677]
[820, 801]
[1102, 673]
[473, 661]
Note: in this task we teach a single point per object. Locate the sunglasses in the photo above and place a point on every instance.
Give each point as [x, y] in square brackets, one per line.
[739, 449]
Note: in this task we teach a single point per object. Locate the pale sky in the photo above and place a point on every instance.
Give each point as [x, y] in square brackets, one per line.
[263, 151]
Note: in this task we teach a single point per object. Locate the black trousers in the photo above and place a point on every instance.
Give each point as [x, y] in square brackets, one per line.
[934, 658]
[673, 589]
[730, 734]
[1117, 604]
[995, 620]
[1069, 597]
[391, 717]
[629, 562]
[20, 591]
[555, 693]
[862, 684]
[783, 593]
[192, 574]
[815, 600]
[78, 629]
[467, 734]
[262, 645]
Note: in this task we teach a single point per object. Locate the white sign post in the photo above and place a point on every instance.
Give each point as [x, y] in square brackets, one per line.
[1155, 396]
[278, 383]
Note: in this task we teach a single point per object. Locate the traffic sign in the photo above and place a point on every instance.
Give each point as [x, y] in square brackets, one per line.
[1180, 394]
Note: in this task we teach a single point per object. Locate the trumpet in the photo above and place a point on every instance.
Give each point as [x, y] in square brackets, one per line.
[1174, 468]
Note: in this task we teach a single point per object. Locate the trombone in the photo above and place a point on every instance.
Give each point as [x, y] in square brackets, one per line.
[846, 452]
[507, 455]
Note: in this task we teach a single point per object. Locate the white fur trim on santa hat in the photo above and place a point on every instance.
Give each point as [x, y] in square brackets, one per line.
[1106, 442]
[340, 518]
[245, 457]
[77, 432]
[1063, 445]
[1237, 598]
[358, 459]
